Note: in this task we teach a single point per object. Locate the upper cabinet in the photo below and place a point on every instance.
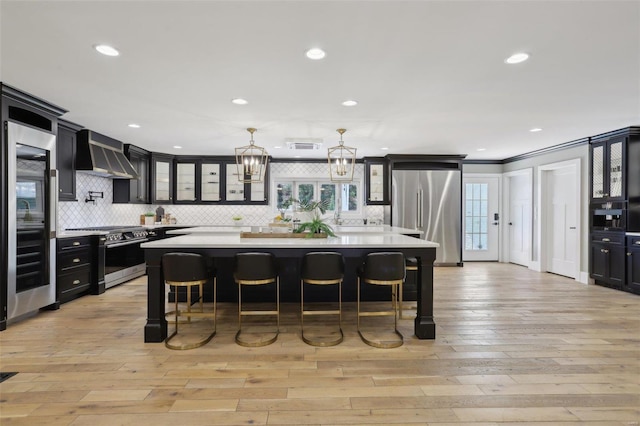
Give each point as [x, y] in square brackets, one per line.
[134, 191]
[239, 192]
[66, 157]
[161, 178]
[212, 180]
[377, 185]
[608, 168]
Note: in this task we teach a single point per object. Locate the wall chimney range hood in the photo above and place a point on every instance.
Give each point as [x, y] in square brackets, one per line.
[102, 156]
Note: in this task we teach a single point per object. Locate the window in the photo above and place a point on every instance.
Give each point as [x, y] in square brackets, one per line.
[339, 197]
[476, 218]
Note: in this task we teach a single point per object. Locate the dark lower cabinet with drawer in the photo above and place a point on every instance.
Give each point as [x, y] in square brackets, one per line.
[73, 267]
[608, 259]
[632, 284]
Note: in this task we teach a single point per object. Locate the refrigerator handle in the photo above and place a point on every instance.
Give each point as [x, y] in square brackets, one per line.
[419, 209]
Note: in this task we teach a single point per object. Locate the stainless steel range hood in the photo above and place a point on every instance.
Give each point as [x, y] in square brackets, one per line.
[103, 156]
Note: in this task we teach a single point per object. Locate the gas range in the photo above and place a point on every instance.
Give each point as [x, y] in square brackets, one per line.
[118, 234]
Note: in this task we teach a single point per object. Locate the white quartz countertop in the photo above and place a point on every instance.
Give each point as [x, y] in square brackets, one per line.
[345, 241]
[633, 234]
[338, 229]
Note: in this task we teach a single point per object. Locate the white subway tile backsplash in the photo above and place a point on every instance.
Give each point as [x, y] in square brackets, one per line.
[79, 214]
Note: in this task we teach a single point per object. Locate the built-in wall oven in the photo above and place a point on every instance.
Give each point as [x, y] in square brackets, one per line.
[123, 257]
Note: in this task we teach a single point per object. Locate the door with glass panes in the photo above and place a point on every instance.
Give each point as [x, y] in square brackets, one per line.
[481, 221]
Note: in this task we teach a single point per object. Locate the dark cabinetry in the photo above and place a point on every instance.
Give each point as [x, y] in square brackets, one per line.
[608, 168]
[161, 178]
[134, 191]
[607, 259]
[66, 157]
[632, 283]
[73, 267]
[377, 181]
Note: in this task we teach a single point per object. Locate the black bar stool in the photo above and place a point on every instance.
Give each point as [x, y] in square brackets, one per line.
[189, 270]
[322, 268]
[256, 269]
[383, 268]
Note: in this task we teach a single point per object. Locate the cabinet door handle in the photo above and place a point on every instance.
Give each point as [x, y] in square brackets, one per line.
[60, 189]
[604, 251]
[628, 253]
[637, 243]
[76, 260]
[75, 282]
[76, 243]
[572, 227]
[606, 240]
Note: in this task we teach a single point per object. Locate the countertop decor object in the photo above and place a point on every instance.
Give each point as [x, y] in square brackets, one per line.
[316, 225]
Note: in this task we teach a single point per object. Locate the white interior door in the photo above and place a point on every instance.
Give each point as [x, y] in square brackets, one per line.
[481, 222]
[519, 219]
[561, 221]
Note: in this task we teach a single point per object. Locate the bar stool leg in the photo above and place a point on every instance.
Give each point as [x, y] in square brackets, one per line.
[394, 312]
[269, 341]
[303, 312]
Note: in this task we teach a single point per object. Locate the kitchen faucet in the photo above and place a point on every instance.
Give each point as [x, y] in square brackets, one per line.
[336, 218]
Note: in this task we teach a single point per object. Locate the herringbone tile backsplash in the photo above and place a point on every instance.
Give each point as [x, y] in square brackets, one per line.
[103, 212]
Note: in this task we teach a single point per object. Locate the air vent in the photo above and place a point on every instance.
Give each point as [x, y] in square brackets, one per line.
[307, 144]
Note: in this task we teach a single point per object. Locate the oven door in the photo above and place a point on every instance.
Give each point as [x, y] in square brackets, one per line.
[123, 261]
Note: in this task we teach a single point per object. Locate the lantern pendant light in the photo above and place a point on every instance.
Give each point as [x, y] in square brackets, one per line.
[342, 161]
[251, 161]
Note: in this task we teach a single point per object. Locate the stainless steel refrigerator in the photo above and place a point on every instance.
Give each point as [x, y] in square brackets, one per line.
[430, 201]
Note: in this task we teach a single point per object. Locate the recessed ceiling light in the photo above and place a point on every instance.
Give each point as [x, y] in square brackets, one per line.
[277, 147]
[350, 103]
[106, 50]
[315, 54]
[239, 101]
[481, 149]
[177, 147]
[535, 129]
[516, 58]
[384, 148]
[134, 126]
[296, 156]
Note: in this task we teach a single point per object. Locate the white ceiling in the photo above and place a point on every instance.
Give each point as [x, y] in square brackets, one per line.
[429, 76]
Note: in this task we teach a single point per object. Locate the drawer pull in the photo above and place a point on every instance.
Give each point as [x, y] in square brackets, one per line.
[606, 240]
[76, 243]
[637, 243]
[75, 282]
[629, 253]
[76, 260]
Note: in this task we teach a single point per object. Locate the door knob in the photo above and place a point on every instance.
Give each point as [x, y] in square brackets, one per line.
[510, 223]
[496, 223]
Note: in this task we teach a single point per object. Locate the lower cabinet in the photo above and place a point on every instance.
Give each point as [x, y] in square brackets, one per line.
[632, 284]
[73, 267]
[608, 259]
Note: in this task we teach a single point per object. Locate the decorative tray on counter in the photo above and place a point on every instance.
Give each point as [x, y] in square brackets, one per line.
[280, 235]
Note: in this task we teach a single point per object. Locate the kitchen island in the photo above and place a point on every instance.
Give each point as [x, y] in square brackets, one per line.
[222, 247]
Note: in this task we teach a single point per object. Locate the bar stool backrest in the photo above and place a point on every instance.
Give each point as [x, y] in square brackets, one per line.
[184, 267]
[255, 266]
[384, 266]
[322, 265]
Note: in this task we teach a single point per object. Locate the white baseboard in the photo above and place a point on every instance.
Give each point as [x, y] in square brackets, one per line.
[584, 277]
[535, 266]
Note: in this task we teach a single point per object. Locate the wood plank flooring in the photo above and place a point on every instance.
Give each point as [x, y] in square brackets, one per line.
[513, 347]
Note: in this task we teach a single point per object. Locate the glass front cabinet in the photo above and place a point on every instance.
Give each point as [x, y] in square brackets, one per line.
[376, 175]
[161, 178]
[607, 169]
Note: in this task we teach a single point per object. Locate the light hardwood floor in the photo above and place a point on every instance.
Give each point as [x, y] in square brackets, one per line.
[513, 347]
